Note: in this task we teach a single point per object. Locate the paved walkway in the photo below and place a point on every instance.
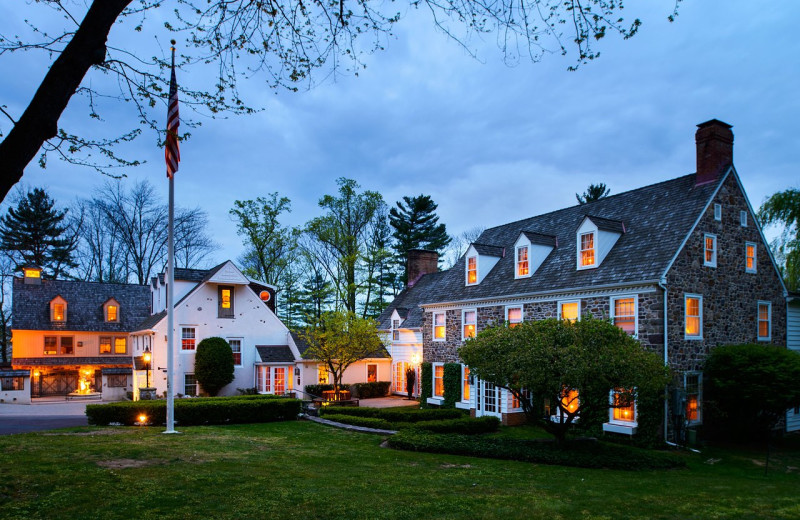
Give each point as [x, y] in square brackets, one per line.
[387, 402]
[43, 414]
[360, 429]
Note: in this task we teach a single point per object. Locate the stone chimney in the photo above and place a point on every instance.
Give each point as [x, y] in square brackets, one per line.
[714, 150]
[420, 262]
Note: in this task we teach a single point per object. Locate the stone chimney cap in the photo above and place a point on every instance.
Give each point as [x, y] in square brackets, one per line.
[714, 122]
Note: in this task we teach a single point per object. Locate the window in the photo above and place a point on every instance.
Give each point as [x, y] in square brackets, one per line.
[710, 250]
[743, 218]
[58, 310]
[522, 261]
[569, 400]
[764, 321]
[513, 316]
[105, 345]
[438, 380]
[693, 384]
[439, 329]
[469, 319]
[569, 311]
[12, 383]
[465, 384]
[112, 314]
[225, 301]
[280, 380]
[187, 338]
[400, 377]
[372, 373]
[189, 385]
[322, 374]
[623, 313]
[66, 346]
[267, 380]
[693, 309]
[50, 345]
[623, 407]
[490, 398]
[120, 346]
[236, 350]
[117, 380]
[472, 270]
[717, 211]
[395, 330]
[750, 257]
[587, 250]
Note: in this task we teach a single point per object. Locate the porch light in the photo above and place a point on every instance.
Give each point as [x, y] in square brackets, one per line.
[416, 359]
[146, 356]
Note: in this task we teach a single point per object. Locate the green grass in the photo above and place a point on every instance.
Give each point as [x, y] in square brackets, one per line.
[304, 470]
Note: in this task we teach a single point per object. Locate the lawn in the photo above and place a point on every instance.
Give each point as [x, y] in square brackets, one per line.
[305, 470]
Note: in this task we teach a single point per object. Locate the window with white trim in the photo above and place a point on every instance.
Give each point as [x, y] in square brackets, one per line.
[624, 314]
[514, 316]
[710, 250]
[693, 385]
[189, 384]
[469, 319]
[225, 302]
[372, 373]
[187, 338]
[569, 310]
[523, 264]
[236, 350]
[322, 375]
[693, 316]
[764, 321]
[717, 211]
[623, 407]
[438, 380]
[58, 310]
[743, 218]
[750, 265]
[586, 250]
[464, 383]
[439, 326]
[472, 270]
[120, 345]
[395, 330]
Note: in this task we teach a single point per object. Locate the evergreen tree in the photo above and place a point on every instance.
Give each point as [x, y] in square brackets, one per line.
[416, 226]
[35, 232]
[593, 192]
[380, 275]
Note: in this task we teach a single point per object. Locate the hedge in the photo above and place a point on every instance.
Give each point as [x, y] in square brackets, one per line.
[368, 422]
[188, 412]
[464, 425]
[367, 390]
[395, 415]
[579, 454]
[451, 378]
[426, 385]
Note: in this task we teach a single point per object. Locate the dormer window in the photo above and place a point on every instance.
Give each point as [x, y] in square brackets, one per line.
[225, 301]
[32, 275]
[587, 250]
[58, 310]
[522, 261]
[111, 311]
[472, 270]
[531, 250]
[595, 239]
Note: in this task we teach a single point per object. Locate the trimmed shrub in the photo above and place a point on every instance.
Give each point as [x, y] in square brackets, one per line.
[426, 384]
[576, 454]
[213, 364]
[401, 415]
[316, 390]
[465, 425]
[367, 390]
[367, 422]
[189, 412]
[452, 384]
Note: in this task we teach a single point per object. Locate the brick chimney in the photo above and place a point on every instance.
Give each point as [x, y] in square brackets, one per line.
[714, 150]
[420, 262]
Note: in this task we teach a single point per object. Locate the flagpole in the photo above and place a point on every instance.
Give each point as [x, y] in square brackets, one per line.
[171, 284]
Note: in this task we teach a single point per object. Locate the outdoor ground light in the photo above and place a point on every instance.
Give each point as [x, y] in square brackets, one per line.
[142, 419]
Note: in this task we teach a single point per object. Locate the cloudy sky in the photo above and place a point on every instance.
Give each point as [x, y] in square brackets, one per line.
[490, 143]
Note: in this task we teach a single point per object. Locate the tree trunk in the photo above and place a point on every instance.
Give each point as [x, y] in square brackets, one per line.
[39, 122]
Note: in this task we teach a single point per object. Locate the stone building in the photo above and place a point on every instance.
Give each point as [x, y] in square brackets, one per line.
[681, 265]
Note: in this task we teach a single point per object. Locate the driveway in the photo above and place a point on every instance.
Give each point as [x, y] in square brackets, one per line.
[41, 415]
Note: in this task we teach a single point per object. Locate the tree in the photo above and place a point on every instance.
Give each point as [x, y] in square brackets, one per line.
[593, 192]
[213, 364]
[380, 277]
[573, 365]
[35, 232]
[416, 226]
[459, 245]
[6, 281]
[340, 339]
[784, 208]
[750, 387]
[100, 255]
[287, 42]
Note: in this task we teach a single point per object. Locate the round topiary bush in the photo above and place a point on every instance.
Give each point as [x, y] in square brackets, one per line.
[213, 364]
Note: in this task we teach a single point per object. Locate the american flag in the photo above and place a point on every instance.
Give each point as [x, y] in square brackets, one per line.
[172, 152]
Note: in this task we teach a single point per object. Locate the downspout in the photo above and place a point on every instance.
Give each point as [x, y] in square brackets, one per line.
[663, 284]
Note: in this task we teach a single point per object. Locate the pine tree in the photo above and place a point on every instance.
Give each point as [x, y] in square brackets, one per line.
[593, 192]
[416, 226]
[35, 232]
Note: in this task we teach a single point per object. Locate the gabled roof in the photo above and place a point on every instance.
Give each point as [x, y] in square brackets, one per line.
[488, 249]
[85, 300]
[607, 224]
[541, 239]
[275, 353]
[303, 346]
[409, 300]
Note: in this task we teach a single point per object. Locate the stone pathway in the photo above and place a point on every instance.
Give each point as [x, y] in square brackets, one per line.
[360, 429]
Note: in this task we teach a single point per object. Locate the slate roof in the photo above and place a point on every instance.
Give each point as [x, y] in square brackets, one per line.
[15, 373]
[488, 249]
[275, 353]
[539, 238]
[31, 305]
[656, 220]
[407, 303]
[70, 360]
[302, 347]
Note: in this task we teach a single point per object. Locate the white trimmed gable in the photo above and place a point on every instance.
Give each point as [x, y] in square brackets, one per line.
[537, 253]
[605, 234]
[485, 263]
[228, 274]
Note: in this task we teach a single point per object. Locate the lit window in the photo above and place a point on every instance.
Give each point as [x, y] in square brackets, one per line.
[400, 377]
[31, 272]
[439, 329]
[514, 316]
[50, 345]
[743, 218]
[438, 380]
[267, 380]
[472, 270]
[187, 338]
[569, 311]
[280, 380]
[764, 321]
[236, 350]
[470, 322]
[189, 384]
[58, 310]
[624, 316]
[120, 345]
[66, 345]
[395, 330]
[623, 409]
[750, 257]
[717, 211]
[522, 261]
[105, 345]
[465, 384]
[587, 249]
[693, 384]
[112, 313]
[225, 302]
[569, 400]
[322, 374]
[694, 316]
[710, 250]
[372, 373]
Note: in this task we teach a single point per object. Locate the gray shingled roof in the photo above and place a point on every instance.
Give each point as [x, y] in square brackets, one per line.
[407, 303]
[656, 220]
[15, 373]
[488, 249]
[539, 238]
[275, 353]
[302, 347]
[31, 305]
[119, 371]
[607, 224]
